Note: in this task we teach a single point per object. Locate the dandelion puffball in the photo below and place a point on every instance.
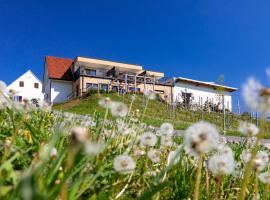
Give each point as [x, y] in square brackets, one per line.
[119, 109]
[124, 164]
[201, 137]
[148, 139]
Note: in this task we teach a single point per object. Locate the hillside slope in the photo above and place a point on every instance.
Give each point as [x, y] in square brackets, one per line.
[157, 111]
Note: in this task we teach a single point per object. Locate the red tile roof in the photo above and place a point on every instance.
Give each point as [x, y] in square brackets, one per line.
[59, 68]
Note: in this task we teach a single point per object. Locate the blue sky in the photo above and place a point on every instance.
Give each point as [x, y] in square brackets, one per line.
[195, 39]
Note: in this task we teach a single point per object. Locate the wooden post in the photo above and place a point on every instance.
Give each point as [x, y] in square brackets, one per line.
[154, 80]
[126, 86]
[224, 112]
[135, 83]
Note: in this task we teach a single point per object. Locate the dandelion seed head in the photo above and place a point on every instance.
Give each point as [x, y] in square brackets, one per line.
[148, 139]
[92, 148]
[256, 96]
[248, 129]
[261, 160]
[105, 102]
[201, 137]
[221, 164]
[79, 134]
[167, 128]
[149, 94]
[124, 164]
[53, 153]
[166, 141]
[264, 177]
[154, 155]
[3, 87]
[119, 109]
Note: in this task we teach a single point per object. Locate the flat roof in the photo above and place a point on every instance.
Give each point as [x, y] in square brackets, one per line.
[109, 63]
[206, 84]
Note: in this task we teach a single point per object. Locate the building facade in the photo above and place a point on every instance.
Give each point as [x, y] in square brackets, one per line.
[199, 94]
[27, 86]
[66, 78]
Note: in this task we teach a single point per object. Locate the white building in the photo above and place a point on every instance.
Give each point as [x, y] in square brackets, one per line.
[200, 92]
[57, 79]
[27, 86]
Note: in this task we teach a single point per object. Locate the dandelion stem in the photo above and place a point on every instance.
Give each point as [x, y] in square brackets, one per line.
[266, 191]
[219, 180]
[256, 186]
[207, 182]
[198, 177]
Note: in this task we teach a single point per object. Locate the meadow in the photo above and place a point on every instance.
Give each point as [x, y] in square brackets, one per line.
[114, 154]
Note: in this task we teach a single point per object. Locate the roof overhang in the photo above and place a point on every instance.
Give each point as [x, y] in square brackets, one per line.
[108, 64]
[205, 84]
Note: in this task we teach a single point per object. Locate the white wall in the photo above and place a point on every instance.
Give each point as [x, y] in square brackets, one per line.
[28, 91]
[60, 90]
[202, 92]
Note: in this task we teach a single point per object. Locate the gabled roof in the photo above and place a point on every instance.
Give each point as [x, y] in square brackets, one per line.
[205, 84]
[59, 68]
[27, 72]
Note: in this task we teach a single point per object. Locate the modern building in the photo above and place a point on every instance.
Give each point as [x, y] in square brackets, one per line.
[27, 86]
[66, 78]
[199, 93]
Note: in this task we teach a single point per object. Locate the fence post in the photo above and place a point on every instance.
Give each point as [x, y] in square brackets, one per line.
[201, 108]
[257, 120]
[224, 112]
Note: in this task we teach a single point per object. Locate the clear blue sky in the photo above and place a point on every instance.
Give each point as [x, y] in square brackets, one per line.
[194, 39]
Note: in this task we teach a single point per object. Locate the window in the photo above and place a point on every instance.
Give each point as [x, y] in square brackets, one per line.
[105, 87]
[91, 72]
[21, 84]
[91, 86]
[36, 85]
[17, 98]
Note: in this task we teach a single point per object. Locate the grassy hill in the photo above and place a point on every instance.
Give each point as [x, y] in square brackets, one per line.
[157, 112]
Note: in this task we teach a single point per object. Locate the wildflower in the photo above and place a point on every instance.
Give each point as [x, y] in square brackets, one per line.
[154, 155]
[3, 87]
[256, 96]
[43, 105]
[221, 164]
[149, 94]
[124, 164]
[264, 177]
[79, 134]
[166, 141]
[148, 139]
[261, 160]
[173, 158]
[167, 128]
[128, 131]
[133, 97]
[119, 109]
[245, 156]
[224, 150]
[248, 129]
[138, 152]
[201, 137]
[91, 148]
[105, 102]
[53, 153]
[7, 143]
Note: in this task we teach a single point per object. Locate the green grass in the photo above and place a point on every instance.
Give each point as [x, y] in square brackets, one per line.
[157, 112]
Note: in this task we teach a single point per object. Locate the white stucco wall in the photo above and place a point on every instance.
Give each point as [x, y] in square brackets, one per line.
[60, 90]
[28, 91]
[203, 93]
